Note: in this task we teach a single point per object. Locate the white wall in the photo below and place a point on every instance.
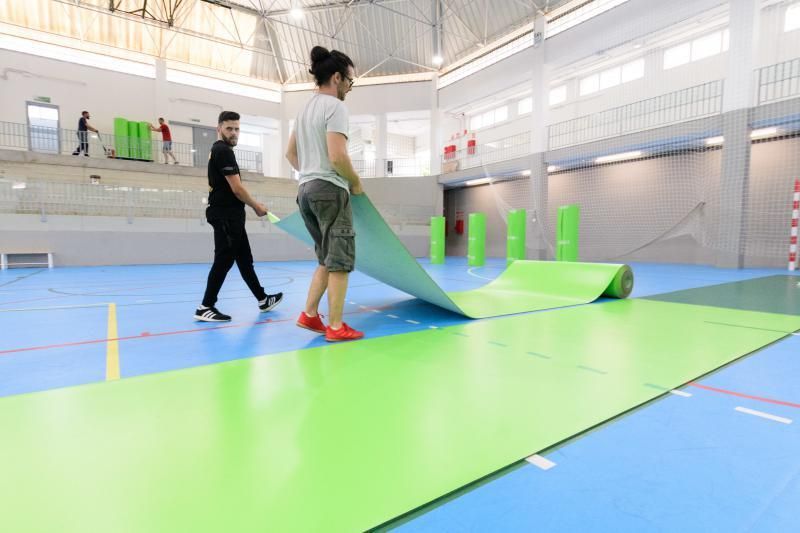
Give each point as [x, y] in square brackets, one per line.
[107, 94]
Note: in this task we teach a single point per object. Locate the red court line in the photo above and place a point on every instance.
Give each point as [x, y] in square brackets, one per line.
[749, 397]
[147, 335]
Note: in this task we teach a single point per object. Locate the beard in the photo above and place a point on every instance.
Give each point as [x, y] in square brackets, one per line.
[231, 141]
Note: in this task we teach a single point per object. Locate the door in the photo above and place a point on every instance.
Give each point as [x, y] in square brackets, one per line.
[43, 132]
[202, 139]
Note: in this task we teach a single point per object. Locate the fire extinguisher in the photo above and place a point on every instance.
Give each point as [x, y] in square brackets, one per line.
[460, 222]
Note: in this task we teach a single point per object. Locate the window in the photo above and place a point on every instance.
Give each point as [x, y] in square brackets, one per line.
[476, 122]
[697, 49]
[792, 20]
[558, 95]
[250, 139]
[489, 118]
[632, 71]
[569, 16]
[589, 84]
[707, 46]
[609, 78]
[525, 106]
[677, 56]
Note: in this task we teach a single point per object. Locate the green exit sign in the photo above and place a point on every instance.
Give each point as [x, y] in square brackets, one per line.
[45, 99]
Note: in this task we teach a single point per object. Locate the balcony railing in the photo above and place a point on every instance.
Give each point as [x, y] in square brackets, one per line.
[61, 141]
[779, 81]
[671, 108]
[487, 153]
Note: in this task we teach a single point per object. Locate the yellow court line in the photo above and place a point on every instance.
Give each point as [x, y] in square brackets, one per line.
[112, 345]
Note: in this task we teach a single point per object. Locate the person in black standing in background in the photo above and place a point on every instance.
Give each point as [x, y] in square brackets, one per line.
[83, 134]
[226, 200]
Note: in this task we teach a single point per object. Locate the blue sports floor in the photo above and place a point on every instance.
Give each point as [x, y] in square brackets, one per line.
[689, 461]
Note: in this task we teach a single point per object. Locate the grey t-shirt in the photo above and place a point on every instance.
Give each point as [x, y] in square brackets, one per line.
[323, 113]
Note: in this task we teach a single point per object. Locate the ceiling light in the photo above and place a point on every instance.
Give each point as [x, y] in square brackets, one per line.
[526, 172]
[763, 132]
[714, 141]
[297, 13]
[553, 168]
[481, 181]
[619, 157]
[438, 60]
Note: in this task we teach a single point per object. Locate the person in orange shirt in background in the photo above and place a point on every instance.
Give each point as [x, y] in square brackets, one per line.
[166, 138]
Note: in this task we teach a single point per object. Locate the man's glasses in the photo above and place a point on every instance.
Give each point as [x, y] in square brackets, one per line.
[350, 80]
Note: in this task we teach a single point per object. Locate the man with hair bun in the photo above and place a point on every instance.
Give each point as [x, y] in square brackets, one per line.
[318, 151]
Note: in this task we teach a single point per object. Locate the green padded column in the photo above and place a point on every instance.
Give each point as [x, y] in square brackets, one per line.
[476, 243]
[133, 140]
[567, 233]
[437, 240]
[515, 242]
[145, 144]
[121, 144]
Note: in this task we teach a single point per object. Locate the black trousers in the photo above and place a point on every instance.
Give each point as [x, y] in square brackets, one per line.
[83, 143]
[231, 245]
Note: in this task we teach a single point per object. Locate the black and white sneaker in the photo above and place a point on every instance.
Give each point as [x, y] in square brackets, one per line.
[210, 314]
[269, 303]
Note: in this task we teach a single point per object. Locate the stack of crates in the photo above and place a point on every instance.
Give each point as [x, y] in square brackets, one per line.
[133, 140]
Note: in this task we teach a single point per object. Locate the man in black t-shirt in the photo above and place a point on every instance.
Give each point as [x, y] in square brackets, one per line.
[83, 134]
[226, 200]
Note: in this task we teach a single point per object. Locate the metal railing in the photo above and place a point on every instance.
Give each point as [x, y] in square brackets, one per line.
[62, 141]
[491, 152]
[671, 108]
[46, 198]
[406, 167]
[364, 167]
[779, 81]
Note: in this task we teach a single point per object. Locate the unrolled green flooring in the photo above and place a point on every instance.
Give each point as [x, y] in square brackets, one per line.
[524, 286]
[346, 437]
[771, 294]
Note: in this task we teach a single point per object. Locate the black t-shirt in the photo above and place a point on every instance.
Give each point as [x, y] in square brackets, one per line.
[82, 124]
[221, 163]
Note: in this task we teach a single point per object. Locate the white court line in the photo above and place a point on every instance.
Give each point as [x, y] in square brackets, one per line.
[681, 393]
[393, 316]
[764, 415]
[363, 306]
[375, 311]
[55, 308]
[412, 321]
[541, 462]
[471, 273]
[144, 301]
[434, 327]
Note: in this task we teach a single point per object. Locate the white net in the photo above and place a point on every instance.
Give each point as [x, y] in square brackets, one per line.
[677, 132]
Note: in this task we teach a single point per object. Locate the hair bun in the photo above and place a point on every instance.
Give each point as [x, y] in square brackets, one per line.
[319, 53]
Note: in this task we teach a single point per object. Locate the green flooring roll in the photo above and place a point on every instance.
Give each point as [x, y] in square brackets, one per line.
[476, 241]
[437, 240]
[121, 144]
[567, 233]
[524, 286]
[145, 146]
[515, 241]
[133, 140]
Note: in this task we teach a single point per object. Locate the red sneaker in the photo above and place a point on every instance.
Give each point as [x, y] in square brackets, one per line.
[344, 333]
[313, 323]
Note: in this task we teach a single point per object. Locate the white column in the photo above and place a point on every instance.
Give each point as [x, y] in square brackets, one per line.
[743, 26]
[436, 129]
[381, 141]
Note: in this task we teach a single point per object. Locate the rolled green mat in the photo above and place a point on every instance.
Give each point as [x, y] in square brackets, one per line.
[567, 233]
[133, 140]
[622, 284]
[121, 144]
[476, 242]
[515, 242]
[437, 240]
[145, 146]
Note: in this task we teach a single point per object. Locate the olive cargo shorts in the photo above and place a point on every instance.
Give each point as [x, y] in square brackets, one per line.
[325, 209]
